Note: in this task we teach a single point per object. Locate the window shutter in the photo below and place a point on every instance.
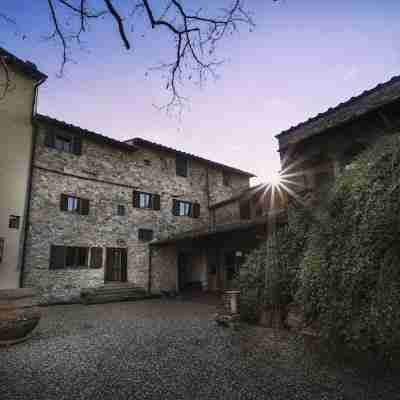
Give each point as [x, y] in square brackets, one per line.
[77, 145]
[63, 202]
[135, 198]
[109, 263]
[84, 206]
[156, 202]
[124, 265]
[57, 257]
[49, 139]
[196, 210]
[175, 207]
[96, 257]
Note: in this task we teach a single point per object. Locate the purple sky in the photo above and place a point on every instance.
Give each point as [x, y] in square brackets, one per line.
[303, 57]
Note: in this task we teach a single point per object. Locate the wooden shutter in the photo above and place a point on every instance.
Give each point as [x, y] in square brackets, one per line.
[124, 265]
[57, 257]
[96, 257]
[136, 195]
[77, 145]
[63, 202]
[109, 263]
[49, 139]
[175, 207]
[196, 210]
[156, 200]
[181, 166]
[84, 206]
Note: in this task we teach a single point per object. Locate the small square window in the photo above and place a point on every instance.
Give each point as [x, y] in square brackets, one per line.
[1, 250]
[13, 223]
[145, 235]
[184, 208]
[144, 200]
[181, 166]
[121, 210]
[147, 162]
[72, 203]
[62, 143]
[226, 178]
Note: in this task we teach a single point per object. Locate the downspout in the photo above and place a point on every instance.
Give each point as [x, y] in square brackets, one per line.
[29, 186]
[150, 269]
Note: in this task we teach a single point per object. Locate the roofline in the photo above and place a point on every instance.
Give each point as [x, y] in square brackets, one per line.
[253, 189]
[97, 137]
[220, 229]
[340, 106]
[26, 67]
[156, 146]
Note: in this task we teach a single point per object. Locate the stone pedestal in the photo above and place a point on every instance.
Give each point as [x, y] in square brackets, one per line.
[229, 312]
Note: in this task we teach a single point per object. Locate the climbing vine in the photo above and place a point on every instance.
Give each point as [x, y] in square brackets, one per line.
[349, 280]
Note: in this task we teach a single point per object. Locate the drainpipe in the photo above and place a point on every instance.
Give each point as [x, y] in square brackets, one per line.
[29, 185]
[150, 268]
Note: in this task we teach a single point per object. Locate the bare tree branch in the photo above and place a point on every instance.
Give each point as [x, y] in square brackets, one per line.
[195, 35]
[120, 23]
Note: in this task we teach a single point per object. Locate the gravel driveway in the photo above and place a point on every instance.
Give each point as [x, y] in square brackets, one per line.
[165, 349]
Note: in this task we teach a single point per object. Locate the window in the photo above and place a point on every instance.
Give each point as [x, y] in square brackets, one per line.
[64, 142]
[13, 222]
[185, 209]
[121, 210]
[68, 257]
[74, 204]
[146, 200]
[245, 210]
[226, 178]
[181, 166]
[147, 162]
[62, 257]
[1, 250]
[145, 235]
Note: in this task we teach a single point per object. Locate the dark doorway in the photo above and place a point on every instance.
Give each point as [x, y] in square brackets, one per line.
[116, 265]
[183, 265]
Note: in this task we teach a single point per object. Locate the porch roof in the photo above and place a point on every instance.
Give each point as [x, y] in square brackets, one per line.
[217, 230]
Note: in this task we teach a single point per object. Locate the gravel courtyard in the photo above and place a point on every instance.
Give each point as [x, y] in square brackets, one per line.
[167, 349]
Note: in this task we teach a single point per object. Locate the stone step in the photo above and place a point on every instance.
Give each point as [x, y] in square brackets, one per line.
[110, 298]
[112, 293]
[115, 290]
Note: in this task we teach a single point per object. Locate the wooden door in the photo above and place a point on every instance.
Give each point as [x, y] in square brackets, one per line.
[116, 265]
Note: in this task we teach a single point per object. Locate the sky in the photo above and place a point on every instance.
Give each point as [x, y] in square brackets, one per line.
[303, 57]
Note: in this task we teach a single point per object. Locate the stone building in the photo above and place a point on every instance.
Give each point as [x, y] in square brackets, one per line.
[97, 203]
[314, 152]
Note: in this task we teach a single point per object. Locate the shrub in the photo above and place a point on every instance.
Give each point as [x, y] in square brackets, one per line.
[269, 275]
[349, 279]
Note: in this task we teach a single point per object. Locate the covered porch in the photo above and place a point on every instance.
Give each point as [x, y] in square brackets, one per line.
[203, 261]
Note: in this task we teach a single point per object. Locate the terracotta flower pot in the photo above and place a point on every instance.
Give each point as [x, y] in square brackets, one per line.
[19, 315]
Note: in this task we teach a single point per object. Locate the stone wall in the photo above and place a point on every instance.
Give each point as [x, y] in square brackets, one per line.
[164, 275]
[227, 213]
[107, 176]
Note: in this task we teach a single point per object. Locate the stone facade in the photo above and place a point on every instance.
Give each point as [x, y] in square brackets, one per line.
[107, 177]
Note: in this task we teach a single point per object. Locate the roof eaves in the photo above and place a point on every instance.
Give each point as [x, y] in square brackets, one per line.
[251, 191]
[342, 106]
[85, 133]
[147, 143]
[27, 67]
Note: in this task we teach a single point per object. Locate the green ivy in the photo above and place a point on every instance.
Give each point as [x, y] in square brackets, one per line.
[349, 278]
[269, 275]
